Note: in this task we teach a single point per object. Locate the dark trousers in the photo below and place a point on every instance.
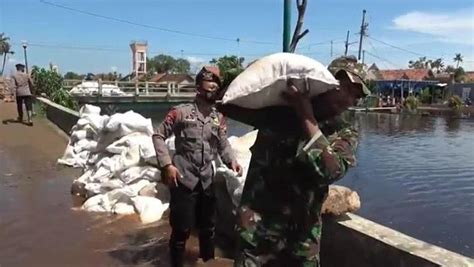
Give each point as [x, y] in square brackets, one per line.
[189, 208]
[19, 104]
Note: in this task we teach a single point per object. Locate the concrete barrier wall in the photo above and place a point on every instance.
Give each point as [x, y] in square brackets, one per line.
[354, 241]
[349, 240]
[61, 116]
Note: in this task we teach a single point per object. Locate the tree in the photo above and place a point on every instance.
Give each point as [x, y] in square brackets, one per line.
[459, 75]
[227, 63]
[437, 65]
[4, 49]
[458, 59]
[420, 63]
[297, 36]
[50, 83]
[168, 64]
[73, 76]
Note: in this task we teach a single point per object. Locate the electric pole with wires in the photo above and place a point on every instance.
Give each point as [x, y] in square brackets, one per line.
[363, 32]
[347, 44]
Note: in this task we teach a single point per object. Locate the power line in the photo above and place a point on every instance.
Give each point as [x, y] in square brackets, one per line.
[397, 47]
[383, 59]
[109, 49]
[124, 21]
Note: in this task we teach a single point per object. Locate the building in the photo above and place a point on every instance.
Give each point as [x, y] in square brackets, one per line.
[174, 82]
[139, 55]
[463, 90]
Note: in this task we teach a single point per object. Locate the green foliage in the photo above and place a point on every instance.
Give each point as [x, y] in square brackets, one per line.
[455, 103]
[228, 64]
[168, 64]
[436, 65]
[50, 83]
[411, 103]
[425, 96]
[459, 75]
[458, 58]
[73, 76]
[230, 75]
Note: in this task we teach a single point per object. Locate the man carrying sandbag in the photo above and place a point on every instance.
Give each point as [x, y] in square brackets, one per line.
[279, 218]
[201, 135]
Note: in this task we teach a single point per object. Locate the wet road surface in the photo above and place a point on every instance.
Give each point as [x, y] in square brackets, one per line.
[39, 225]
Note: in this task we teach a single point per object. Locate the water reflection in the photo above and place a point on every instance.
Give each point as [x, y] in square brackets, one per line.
[415, 174]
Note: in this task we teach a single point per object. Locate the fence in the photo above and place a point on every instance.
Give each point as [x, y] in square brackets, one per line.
[136, 88]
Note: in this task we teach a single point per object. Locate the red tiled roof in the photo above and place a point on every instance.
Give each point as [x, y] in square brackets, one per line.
[177, 78]
[469, 76]
[407, 74]
[157, 77]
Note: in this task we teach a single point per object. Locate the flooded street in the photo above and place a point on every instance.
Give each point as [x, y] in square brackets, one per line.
[38, 224]
[416, 175]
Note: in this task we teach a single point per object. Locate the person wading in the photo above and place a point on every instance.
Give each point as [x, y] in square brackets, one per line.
[200, 136]
[23, 87]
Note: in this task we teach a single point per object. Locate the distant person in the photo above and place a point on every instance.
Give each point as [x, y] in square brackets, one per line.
[201, 135]
[23, 87]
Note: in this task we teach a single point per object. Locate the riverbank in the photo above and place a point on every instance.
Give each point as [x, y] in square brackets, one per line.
[431, 110]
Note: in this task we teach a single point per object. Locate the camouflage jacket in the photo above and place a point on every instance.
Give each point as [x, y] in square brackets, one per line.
[286, 185]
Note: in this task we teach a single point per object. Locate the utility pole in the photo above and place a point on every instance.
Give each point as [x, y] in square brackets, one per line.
[286, 25]
[363, 56]
[363, 32]
[331, 49]
[347, 44]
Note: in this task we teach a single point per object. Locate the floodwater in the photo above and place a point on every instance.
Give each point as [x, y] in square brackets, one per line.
[39, 225]
[416, 175]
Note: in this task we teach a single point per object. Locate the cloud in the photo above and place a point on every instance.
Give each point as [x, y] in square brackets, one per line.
[196, 60]
[454, 27]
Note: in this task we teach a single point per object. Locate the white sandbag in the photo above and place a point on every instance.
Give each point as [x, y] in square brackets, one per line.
[261, 84]
[123, 209]
[78, 135]
[128, 123]
[117, 163]
[241, 148]
[97, 121]
[150, 209]
[89, 109]
[68, 157]
[94, 204]
[140, 172]
[144, 142]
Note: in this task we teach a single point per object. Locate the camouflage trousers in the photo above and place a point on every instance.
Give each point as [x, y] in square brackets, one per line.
[274, 244]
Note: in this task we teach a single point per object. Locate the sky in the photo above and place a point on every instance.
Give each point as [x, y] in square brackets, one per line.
[199, 30]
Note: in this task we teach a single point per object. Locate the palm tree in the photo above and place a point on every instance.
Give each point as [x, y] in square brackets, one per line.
[458, 59]
[4, 49]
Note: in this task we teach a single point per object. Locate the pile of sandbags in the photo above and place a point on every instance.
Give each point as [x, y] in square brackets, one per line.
[116, 154]
[118, 160]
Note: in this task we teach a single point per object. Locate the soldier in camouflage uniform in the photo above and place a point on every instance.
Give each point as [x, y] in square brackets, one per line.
[279, 218]
[201, 135]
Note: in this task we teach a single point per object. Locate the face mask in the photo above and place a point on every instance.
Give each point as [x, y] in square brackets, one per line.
[207, 95]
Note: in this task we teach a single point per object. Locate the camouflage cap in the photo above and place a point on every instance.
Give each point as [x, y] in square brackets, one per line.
[353, 69]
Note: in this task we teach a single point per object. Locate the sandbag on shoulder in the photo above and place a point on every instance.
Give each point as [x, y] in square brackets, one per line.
[261, 84]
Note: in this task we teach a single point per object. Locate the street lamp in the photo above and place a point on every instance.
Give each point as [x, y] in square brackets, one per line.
[24, 44]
